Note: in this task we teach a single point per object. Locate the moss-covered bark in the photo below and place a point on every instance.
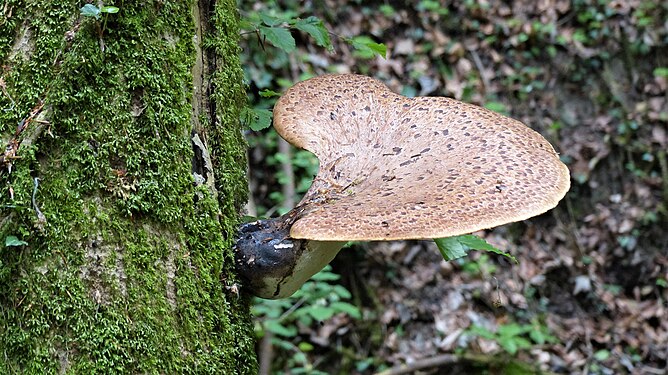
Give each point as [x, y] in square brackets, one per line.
[127, 266]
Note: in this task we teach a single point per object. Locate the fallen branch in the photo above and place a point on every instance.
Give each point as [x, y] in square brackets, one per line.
[437, 361]
[496, 361]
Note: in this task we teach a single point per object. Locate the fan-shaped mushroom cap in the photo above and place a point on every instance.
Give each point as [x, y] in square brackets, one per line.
[393, 167]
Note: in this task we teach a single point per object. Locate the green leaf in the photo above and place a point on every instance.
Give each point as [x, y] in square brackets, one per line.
[347, 308]
[280, 37]
[662, 282]
[301, 358]
[305, 346]
[379, 48]
[522, 343]
[325, 274]
[451, 248]
[496, 107]
[90, 10]
[367, 48]
[537, 336]
[508, 344]
[268, 93]
[283, 344]
[314, 27]
[256, 118]
[247, 24]
[510, 330]
[270, 20]
[477, 243]
[661, 72]
[109, 9]
[278, 329]
[482, 332]
[602, 355]
[341, 291]
[320, 312]
[14, 241]
[456, 247]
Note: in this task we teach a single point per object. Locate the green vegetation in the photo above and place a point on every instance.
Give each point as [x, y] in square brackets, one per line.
[275, 28]
[513, 337]
[90, 10]
[316, 301]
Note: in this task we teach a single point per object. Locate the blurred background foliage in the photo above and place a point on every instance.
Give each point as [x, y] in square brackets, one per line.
[590, 292]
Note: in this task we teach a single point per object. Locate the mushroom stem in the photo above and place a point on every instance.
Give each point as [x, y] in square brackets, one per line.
[273, 265]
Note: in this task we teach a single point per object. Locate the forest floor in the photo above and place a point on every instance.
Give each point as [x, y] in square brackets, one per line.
[589, 293]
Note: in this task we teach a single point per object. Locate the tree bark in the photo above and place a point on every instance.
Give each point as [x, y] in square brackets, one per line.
[121, 182]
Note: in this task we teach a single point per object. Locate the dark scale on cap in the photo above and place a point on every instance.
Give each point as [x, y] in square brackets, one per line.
[445, 154]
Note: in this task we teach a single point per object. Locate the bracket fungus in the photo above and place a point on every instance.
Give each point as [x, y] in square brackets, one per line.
[393, 168]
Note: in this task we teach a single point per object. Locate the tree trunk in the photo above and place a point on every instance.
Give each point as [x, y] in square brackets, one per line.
[118, 223]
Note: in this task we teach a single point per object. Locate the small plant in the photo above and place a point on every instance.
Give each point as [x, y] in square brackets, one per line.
[90, 10]
[662, 283]
[513, 337]
[317, 300]
[478, 267]
[432, 6]
[277, 31]
[661, 72]
[599, 356]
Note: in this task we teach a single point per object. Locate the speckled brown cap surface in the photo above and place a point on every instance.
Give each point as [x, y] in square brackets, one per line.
[393, 167]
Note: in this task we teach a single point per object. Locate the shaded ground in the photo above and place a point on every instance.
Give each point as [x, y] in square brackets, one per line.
[594, 270]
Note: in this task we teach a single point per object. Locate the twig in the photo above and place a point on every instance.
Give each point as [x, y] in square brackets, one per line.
[481, 69]
[651, 370]
[439, 360]
[451, 359]
[292, 308]
[573, 228]
[266, 354]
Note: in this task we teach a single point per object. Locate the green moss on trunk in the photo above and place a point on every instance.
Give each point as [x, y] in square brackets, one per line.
[127, 269]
